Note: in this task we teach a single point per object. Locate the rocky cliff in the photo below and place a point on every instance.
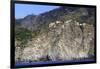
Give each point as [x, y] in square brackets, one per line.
[64, 33]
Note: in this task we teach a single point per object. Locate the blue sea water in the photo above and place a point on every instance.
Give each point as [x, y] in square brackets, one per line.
[53, 62]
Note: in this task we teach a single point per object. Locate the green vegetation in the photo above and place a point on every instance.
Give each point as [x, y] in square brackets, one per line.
[44, 28]
[22, 34]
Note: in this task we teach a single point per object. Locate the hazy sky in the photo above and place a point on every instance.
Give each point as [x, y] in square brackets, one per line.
[22, 10]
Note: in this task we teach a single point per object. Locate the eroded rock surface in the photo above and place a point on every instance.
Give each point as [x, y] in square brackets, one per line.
[64, 41]
[65, 33]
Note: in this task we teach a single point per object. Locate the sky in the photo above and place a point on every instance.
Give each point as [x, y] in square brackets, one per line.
[22, 10]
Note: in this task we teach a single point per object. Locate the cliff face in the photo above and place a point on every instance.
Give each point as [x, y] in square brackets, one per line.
[65, 39]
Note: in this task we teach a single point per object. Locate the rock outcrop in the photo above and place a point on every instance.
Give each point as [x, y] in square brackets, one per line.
[64, 39]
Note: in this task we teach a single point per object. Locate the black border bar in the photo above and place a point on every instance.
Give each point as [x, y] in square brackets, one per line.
[12, 34]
